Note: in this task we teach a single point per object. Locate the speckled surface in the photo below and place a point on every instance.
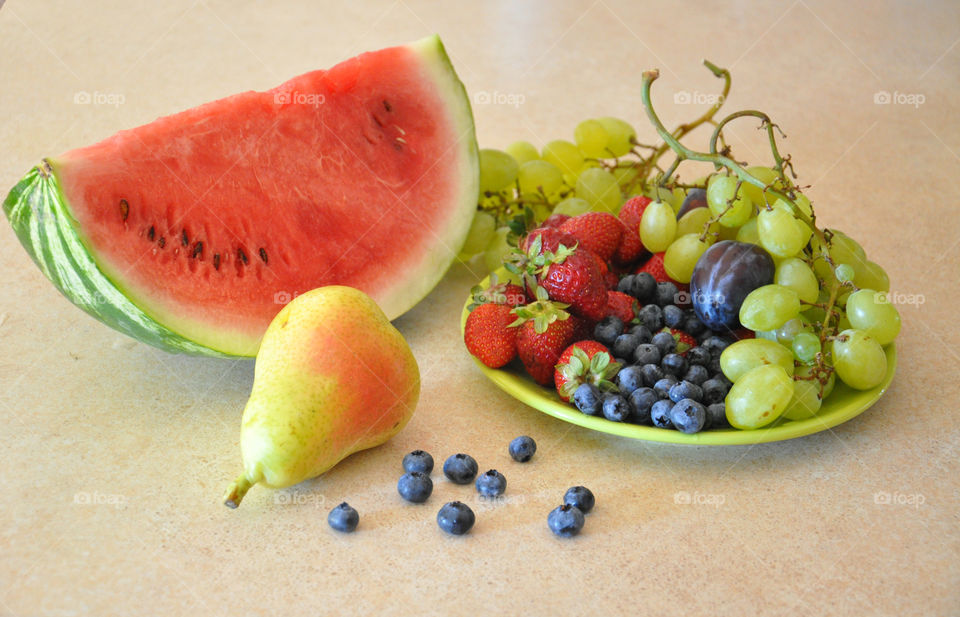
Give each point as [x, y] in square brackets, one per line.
[115, 454]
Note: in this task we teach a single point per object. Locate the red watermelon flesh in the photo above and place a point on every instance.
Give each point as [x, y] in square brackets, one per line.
[211, 219]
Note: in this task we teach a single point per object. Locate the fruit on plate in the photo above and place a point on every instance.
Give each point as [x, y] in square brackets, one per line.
[191, 232]
[333, 377]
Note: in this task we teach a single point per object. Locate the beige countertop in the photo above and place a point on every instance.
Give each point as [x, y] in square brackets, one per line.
[116, 454]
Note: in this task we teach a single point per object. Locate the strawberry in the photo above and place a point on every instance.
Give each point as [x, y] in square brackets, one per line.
[622, 306]
[684, 340]
[599, 232]
[488, 334]
[544, 331]
[632, 211]
[574, 277]
[612, 280]
[630, 249]
[584, 362]
[556, 220]
[498, 293]
[654, 266]
[550, 240]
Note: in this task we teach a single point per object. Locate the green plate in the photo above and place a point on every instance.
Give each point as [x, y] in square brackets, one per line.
[842, 404]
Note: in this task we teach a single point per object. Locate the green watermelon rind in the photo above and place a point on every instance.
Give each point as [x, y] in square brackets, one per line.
[36, 210]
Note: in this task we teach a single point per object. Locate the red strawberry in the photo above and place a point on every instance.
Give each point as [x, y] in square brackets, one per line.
[632, 211]
[599, 232]
[579, 364]
[612, 280]
[550, 239]
[556, 220]
[498, 293]
[684, 340]
[574, 277]
[630, 249]
[545, 331]
[488, 334]
[621, 305]
[654, 266]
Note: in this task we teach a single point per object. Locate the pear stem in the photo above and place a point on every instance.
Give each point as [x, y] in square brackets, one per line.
[236, 491]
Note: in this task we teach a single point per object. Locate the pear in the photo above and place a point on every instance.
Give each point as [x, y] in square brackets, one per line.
[332, 377]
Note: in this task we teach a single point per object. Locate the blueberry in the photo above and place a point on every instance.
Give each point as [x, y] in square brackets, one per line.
[629, 378]
[624, 345]
[625, 285]
[660, 413]
[343, 518]
[460, 468]
[418, 460]
[565, 521]
[579, 497]
[662, 387]
[719, 376]
[644, 287]
[698, 356]
[674, 364]
[714, 391]
[415, 486]
[717, 416]
[664, 342]
[692, 324]
[587, 399]
[686, 390]
[642, 400]
[491, 484]
[666, 293]
[688, 416]
[652, 373]
[647, 353]
[616, 408]
[642, 333]
[714, 366]
[697, 374]
[715, 345]
[456, 518]
[522, 448]
[673, 316]
[608, 329]
[651, 316]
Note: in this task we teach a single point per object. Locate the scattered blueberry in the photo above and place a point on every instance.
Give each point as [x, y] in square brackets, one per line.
[616, 408]
[666, 293]
[644, 287]
[698, 356]
[343, 518]
[522, 448]
[663, 386]
[418, 460]
[688, 416]
[580, 497]
[587, 399]
[651, 316]
[491, 483]
[565, 521]
[660, 413]
[697, 374]
[673, 316]
[647, 353]
[624, 345]
[460, 468]
[642, 400]
[714, 391]
[674, 364]
[629, 378]
[685, 389]
[456, 518]
[415, 486]
[608, 329]
[652, 373]
[717, 415]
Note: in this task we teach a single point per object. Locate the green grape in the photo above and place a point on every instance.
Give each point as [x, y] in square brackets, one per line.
[497, 249]
[872, 276]
[797, 275]
[806, 346]
[759, 397]
[767, 335]
[592, 139]
[523, 151]
[497, 170]
[481, 231]
[859, 359]
[658, 226]
[780, 232]
[674, 197]
[565, 155]
[536, 175]
[572, 206]
[843, 323]
[844, 273]
[621, 136]
[871, 312]
[804, 204]
[626, 175]
[806, 400]
[694, 221]
[790, 329]
[682, 255]
[763, 174]
[748, 232]
[745, 355]
[600, 189]
[541, 211]
[768, 307]
[720, 191]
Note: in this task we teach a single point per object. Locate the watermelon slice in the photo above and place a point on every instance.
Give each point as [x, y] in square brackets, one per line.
[190, 233]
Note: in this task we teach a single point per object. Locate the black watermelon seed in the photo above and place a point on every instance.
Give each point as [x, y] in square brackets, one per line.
[151, 233]
[263, 255]
[124, 210]
[242, 256]
[216, 261]
[386, 105]
[197, 249]
[162, 242]
[183, 238]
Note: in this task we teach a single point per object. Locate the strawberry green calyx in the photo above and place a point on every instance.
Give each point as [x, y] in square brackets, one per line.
[542, 311]
[580, 369]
